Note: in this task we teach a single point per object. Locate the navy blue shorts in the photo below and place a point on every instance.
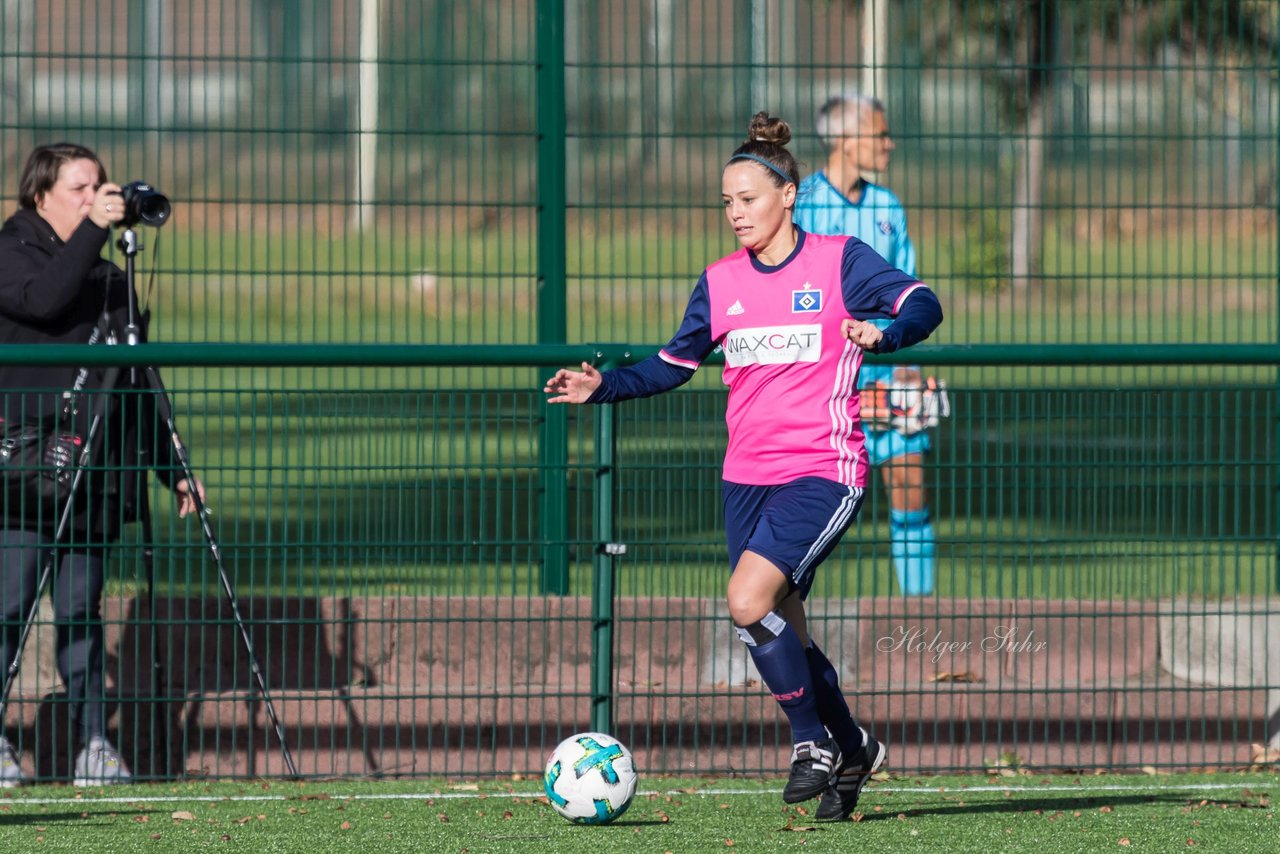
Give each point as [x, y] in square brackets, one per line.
[795, 525]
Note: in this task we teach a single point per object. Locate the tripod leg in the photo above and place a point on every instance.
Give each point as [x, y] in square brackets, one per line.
[165, 412]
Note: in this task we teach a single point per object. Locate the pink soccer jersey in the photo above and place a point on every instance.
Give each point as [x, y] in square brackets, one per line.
[793, 398]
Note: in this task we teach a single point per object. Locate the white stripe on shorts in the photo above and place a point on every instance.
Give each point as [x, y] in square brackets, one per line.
[835, 525]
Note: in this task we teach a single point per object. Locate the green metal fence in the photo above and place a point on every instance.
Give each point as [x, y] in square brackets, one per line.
[455, 172]
[1106, 593]
[420, 544]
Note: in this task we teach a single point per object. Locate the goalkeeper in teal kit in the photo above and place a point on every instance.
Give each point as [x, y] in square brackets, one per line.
[838, 200]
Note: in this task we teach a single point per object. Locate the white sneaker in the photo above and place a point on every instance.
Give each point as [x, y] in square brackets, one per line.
[10, 770]
[99, 764]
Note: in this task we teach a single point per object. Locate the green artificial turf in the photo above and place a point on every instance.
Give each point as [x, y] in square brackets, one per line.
[1158, 813]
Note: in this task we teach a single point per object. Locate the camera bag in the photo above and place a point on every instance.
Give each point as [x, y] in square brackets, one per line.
[38, 461]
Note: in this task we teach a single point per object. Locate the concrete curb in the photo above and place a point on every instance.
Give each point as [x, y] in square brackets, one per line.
[470, 687]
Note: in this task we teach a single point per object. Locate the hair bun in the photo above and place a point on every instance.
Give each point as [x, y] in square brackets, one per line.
[768, 129]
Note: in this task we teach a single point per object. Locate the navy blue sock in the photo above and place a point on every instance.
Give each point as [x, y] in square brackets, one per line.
[783, 667]
[832, 708]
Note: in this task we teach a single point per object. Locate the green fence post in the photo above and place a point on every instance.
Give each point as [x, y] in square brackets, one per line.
[602, 573]
[553, 445]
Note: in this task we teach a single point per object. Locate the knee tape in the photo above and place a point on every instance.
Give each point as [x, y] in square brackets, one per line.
[767, 628]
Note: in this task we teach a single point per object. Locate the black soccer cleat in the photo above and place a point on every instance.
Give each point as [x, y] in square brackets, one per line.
[841, 797]
[814, 765]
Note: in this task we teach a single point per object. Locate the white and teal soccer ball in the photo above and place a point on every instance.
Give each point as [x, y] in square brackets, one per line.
[590, 778]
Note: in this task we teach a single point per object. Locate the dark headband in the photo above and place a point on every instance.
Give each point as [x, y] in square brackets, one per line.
[783, 175]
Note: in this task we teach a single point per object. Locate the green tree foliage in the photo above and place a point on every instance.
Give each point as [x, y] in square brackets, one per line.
[1021, 44]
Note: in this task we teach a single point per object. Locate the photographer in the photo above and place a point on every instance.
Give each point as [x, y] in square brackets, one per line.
[55, 289]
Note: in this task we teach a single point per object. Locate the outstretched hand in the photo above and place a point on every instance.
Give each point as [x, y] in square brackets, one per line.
[573, 386]
[865, 335]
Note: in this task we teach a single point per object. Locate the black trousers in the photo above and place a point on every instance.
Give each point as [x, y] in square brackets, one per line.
[77, 608]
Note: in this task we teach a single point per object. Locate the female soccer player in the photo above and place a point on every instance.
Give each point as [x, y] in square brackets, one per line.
[783, 310]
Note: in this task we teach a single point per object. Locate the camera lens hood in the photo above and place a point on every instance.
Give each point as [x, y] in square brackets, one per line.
[143, 204]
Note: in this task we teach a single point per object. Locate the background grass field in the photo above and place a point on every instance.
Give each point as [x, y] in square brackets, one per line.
[417, 492]
[1231, 812]
[272, 442]
[631, 285]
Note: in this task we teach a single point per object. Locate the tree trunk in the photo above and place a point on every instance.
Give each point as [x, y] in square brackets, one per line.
[1028, 194]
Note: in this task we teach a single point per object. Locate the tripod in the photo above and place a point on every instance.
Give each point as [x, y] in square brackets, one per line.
[150, 384]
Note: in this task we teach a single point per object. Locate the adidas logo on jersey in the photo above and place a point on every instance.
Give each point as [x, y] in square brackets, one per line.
[736, 309]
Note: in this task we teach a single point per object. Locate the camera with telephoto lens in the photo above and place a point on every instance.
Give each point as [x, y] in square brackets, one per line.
[143, 204]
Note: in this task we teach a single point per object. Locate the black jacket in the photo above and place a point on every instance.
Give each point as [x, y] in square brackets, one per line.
[54, 293]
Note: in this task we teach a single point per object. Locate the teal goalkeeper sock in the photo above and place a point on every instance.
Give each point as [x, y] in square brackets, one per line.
[912, 544]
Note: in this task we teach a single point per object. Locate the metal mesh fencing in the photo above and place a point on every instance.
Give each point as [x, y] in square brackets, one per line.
[1102, 602]
[383, 171]
[419, 548]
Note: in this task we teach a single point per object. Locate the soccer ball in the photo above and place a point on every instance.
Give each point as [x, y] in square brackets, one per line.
[590, 778]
